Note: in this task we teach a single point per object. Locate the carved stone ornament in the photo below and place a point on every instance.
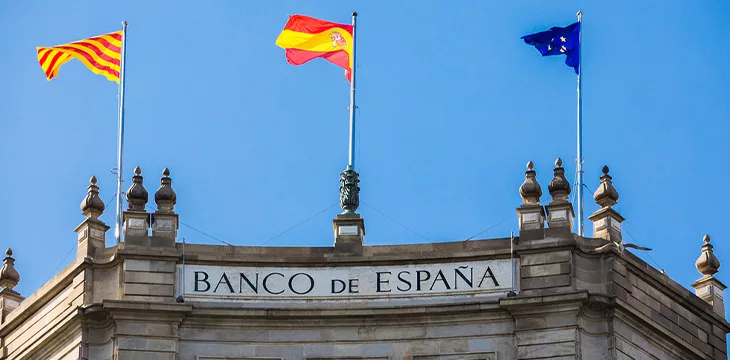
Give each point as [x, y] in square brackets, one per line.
[137, 195]
[349, 191]
[559, 187]
[606, 195]
[165, 196]
[9, 277]
[530, 190]
[707, 264]
[92, 206]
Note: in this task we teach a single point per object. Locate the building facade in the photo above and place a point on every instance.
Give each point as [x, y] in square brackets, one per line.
[544, 294]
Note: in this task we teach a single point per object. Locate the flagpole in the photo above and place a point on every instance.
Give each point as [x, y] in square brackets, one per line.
[579, 160]
[120, 142]
[351, 156]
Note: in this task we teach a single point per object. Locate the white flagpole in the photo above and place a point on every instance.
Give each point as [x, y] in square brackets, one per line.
[579, 160]
[351, 156]
[120, 143]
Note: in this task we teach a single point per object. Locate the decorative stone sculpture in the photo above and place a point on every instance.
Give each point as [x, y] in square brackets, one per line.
[559, 186]
[137, 195]
[560, 211]
[531, 215]
[606, 195]
[92, 206]
[349, 191]
[607, 221]
[707, 264]
[165, 196]
[708, 287]
[92, 231]
[9, 277]
[165, 221]
[530, 190]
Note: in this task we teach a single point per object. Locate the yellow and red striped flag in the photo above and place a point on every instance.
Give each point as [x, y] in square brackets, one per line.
[101, 54]
[305, 38]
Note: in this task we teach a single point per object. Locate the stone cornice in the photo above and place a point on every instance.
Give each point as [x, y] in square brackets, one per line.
[674, 291]
[325, 256]
[636, 319]
[50, 289]
[445, 313]
[121, 309]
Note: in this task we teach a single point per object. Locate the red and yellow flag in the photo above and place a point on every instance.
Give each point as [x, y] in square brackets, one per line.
[305, 38]
[101, 54]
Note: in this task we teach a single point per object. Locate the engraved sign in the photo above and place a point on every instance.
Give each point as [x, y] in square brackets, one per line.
[530, 217]
[215, 283]
[136, 223]
[348, 230]
[559, 215]
[163, 225]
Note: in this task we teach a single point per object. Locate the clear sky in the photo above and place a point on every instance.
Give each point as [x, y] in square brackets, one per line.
[452, 104]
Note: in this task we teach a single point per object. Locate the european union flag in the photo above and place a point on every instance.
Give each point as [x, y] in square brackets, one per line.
[558, 41]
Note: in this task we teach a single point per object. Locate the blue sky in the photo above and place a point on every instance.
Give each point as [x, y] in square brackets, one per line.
[451, 104]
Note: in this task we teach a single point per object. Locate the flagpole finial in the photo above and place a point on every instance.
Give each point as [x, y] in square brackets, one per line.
[354, 13]
[124, 23]
[580, 15]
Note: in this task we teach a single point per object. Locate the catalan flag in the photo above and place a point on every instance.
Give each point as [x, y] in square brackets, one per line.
[305, 38]
[101, 54]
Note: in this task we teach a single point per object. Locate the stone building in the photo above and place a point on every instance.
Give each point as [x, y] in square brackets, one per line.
[545, 294]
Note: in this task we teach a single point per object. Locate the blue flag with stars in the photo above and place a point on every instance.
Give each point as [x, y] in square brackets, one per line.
[558, 41]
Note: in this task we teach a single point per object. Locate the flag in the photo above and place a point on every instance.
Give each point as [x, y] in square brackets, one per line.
[559, 41]
[305, 38]
[101, 54]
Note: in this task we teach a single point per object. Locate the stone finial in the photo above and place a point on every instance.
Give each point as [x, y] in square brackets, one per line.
[530, 190]
[92, 231]
[92, 206]
[349, 191]
[560, 211]
[9, 277]
[165, 196]
[708, 287]
[606, 220]
[606, 195]
[531, 215]
[707, 264]
[164, 221]
[559, 187]
[137, 195]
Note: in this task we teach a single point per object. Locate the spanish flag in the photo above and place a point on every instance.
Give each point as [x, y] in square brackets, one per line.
[305, 38]
[101, 54]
